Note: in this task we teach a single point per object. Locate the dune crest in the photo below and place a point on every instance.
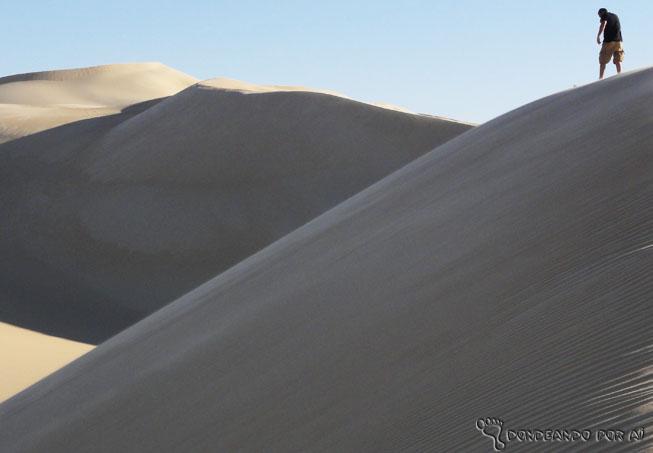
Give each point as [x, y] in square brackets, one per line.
[224, 83]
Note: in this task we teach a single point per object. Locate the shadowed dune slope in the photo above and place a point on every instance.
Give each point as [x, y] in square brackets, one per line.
[108, 219]
[34, 102]
[504, 274]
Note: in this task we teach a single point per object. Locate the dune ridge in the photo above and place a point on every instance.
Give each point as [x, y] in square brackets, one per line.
[505, 274]
[224, 83]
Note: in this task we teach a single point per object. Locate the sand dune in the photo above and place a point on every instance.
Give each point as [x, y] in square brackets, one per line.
[115, 85]
[20, 120]
[34, 102]
[113, 217]
[29, 356]
[504, 274]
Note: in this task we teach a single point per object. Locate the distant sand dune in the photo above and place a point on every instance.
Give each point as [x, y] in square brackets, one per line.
[116, 85]
[34, 102]
[20, 120]
[115, 216]
[505, 274]
[26, 357]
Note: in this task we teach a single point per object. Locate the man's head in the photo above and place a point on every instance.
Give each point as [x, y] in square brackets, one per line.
[602, 13]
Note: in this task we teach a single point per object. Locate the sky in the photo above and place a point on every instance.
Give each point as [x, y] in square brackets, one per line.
[470, 60]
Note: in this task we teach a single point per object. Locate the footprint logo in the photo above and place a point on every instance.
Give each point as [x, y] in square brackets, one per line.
[492, 428]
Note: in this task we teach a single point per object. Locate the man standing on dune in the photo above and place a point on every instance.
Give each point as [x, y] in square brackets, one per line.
[612, 47]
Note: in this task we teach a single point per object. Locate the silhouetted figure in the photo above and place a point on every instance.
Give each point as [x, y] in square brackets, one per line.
[612, 48]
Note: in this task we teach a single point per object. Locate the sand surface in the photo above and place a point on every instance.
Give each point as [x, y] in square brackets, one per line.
[34, 102]
[505, 274]
[28, 356]
[111, 218]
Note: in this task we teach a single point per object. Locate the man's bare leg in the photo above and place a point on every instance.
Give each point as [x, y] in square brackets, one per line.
[601, 71]
[618, 65]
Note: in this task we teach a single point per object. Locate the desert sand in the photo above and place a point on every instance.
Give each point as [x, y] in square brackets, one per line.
[113, 217]
[504, 274]
[37, 101]
[27, 357]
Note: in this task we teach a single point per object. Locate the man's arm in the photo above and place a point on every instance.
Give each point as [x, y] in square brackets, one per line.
[601, 28]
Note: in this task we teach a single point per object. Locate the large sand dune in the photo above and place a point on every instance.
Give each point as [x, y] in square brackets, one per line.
[505, 274]
[37, 101]
[113, 217]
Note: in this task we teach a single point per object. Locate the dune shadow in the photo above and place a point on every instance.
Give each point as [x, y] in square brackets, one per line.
[34, 295]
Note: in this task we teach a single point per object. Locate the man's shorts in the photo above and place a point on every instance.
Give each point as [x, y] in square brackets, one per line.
[611, 50]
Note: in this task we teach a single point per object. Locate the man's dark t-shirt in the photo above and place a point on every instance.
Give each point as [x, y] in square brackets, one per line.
[612, 31]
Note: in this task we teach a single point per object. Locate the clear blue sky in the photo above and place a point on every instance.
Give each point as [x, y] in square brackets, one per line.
[467, 59]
